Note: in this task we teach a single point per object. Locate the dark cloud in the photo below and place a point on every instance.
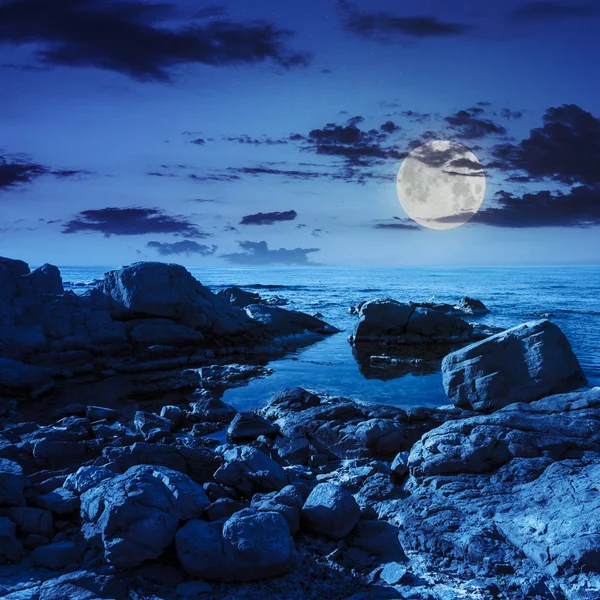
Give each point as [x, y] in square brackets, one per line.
[269, 218]
[264, 140]
[355, 145]
[186, 247]
[468, 125]
[398, 223]
[136, 38]
[507, 113]
[535, 11]
[221, 177]
[131, 221]
[16, 171]
[580, 207]
[203, 200]
[385, 26]
[198, 142]
[565, 149]
[258, 253]
[290, 173]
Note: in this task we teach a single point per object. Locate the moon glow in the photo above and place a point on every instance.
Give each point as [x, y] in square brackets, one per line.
[441, 185]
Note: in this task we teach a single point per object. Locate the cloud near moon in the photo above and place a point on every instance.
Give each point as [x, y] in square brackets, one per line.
[441, 185]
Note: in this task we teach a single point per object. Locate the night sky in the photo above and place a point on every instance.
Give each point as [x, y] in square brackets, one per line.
[258, 132]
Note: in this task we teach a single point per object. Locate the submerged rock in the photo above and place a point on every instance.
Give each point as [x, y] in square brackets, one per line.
[522, 364]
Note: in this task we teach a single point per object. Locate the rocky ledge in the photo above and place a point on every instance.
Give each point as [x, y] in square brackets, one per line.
[141, 318]
[311, 496]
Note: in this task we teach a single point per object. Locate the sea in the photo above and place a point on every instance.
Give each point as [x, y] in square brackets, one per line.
[567, 295]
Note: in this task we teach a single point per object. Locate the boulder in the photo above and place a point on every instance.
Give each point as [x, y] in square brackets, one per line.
[249, 470]
[287, 502]
[259, 544]
[19, 379]
[30, 520]
[471, 306]
[201, 551]
[46, 280]
[10, 546]
[247, 426]
[212, 409]
[152, 289]
[522, 364]
[250, 545]
[240, 298]
[330, 511]
[11, 483]
[134, 516]
[56, 556]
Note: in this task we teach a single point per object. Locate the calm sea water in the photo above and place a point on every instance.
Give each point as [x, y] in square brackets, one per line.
[513, 295]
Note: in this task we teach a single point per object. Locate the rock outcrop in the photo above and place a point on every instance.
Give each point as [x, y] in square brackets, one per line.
[522, 364]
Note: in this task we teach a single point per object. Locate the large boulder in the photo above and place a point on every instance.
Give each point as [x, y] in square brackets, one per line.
[249, 545]
[19, 379]
[165, 334]
[330, 511]
[521, 364]
[152, 289]
[134, 516]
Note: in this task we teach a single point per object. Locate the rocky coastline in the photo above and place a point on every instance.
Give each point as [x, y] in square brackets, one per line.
[124, 475]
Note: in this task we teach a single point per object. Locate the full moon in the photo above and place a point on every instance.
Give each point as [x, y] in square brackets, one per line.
[441, 185]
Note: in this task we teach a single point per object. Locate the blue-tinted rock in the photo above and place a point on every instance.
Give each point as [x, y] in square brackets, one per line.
[11, 483]
[10, 546]
[28, 519]
[134, 516]
[522, 364]
[330, 511]
[287, 502]
[86, 478]
[18, 379]
[56, 556]
[258, 544]
[247, 426]
[249, 470]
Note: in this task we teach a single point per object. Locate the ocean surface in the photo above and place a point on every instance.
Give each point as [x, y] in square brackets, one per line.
[570, 295]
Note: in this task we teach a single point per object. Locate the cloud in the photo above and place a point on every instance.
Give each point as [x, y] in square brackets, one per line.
[198, 142]
[138, 39]
[355, 145]
[580, 207]
[186, 247]
[264, 140]
[565, 149]
[131, 221]
[534, 11]
[385, 26]
[469, 126]
[507, 113]
[16, 171]
[269, 218]
[398, 223]
[258, 253]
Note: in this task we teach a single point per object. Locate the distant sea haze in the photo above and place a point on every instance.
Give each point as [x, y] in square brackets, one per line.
[569, 296]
